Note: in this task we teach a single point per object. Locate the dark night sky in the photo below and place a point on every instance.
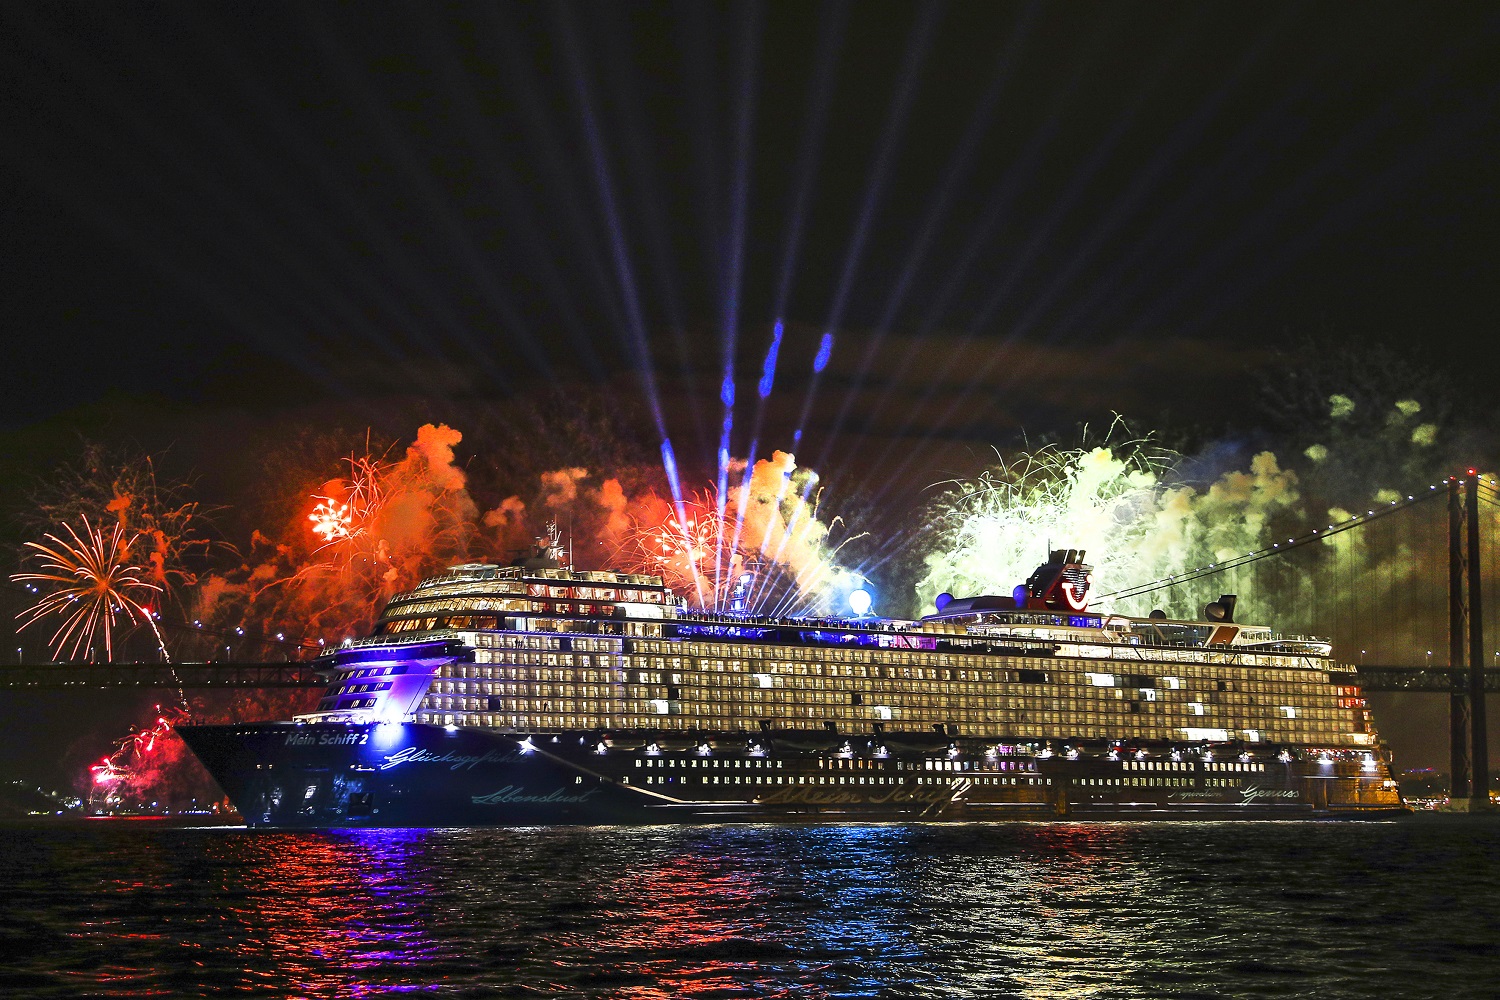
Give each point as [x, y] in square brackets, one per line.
[258, 203]
[1009, 216]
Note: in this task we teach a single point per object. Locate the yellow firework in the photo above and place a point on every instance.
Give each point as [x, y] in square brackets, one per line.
[93, 588]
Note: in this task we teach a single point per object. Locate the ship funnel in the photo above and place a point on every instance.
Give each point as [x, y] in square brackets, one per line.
[1062, 583]
[1221, 610]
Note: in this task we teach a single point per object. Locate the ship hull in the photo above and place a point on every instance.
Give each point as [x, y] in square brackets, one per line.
[331, 775]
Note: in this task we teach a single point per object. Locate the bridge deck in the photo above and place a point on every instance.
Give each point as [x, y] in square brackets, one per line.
[1439, 680]
[221, 674]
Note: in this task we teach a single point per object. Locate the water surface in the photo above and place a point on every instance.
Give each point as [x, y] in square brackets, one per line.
[1333, 910]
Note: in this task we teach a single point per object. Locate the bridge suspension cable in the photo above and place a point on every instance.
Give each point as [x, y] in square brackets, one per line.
[1276, 548]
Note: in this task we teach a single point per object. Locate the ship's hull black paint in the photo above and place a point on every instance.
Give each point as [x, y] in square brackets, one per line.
[413, 775]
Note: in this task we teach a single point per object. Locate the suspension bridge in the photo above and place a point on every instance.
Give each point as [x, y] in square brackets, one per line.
[1401, 590]
[216, 674]
[1407, 591]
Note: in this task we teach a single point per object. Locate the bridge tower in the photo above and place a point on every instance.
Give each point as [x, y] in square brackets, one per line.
[1467, 726]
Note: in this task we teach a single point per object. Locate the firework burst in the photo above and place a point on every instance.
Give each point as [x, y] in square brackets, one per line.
[1116, 501]
[679, 544]
[764, 551]
[332, 521]
[129, 766]
[992, 530]
[166, 530]
[94, 589]
[348, 514]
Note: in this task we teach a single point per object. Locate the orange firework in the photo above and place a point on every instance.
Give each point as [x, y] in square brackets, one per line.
[677, 544]
[363, 499]
[765, 552]
[93, 588]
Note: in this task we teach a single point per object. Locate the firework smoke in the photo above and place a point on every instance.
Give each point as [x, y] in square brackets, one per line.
[1144, 524]
[165, 531]
[362, 538]
[763, 549]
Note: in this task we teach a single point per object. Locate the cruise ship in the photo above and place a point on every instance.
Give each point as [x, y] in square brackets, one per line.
[534, 694]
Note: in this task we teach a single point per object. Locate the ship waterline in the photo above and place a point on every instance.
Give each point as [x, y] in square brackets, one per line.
[534, 694]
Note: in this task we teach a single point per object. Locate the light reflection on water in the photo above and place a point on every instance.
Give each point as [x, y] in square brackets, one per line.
[330, 910]
[1025, 911]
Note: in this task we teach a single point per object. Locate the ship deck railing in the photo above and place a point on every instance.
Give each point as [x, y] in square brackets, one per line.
[479, 575]
[1120, 652]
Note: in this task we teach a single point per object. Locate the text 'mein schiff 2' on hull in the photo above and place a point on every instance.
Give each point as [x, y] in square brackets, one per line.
[531, 694]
